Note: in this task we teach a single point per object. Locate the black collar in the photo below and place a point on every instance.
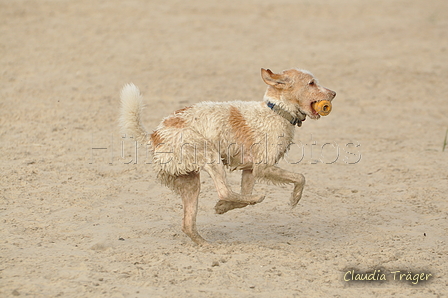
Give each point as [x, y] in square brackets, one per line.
[285, 114]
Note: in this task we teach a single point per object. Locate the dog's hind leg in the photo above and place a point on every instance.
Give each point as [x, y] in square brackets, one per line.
[228, 199]
[189, 186]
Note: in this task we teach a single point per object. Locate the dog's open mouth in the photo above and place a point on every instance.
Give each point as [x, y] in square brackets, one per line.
[314, 113]
[312, 108]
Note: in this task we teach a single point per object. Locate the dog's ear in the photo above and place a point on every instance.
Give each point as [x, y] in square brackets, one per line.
[279, 81]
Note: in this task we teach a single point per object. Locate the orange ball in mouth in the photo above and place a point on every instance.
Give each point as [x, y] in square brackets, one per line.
[322, 107]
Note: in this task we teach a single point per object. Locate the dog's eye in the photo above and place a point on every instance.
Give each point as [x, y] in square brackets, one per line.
[312, 83]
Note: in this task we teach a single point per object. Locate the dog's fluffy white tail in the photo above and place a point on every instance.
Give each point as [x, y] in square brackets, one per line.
[130, 113]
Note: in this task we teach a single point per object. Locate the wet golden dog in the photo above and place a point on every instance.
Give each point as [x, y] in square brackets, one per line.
[235, 135]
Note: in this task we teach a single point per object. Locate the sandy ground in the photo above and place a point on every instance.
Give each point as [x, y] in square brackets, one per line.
[80, 222]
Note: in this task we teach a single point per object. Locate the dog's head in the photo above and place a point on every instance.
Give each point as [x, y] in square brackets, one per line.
[296, 89]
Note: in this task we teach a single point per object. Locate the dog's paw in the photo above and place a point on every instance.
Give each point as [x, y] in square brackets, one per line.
[255, 199]
[296, 195]
[222, 206]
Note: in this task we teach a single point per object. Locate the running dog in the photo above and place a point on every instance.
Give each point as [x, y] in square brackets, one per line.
[251, 136]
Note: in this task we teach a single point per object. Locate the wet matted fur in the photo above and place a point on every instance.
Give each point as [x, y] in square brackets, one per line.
[251, 136]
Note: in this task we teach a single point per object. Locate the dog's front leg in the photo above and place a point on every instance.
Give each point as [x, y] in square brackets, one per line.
[280, 176]
[228, 199]
[247, 182]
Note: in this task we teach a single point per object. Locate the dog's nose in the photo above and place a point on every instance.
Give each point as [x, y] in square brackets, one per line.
[332, 94]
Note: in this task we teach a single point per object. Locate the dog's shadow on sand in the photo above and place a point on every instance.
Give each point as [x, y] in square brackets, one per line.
[282, 226]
